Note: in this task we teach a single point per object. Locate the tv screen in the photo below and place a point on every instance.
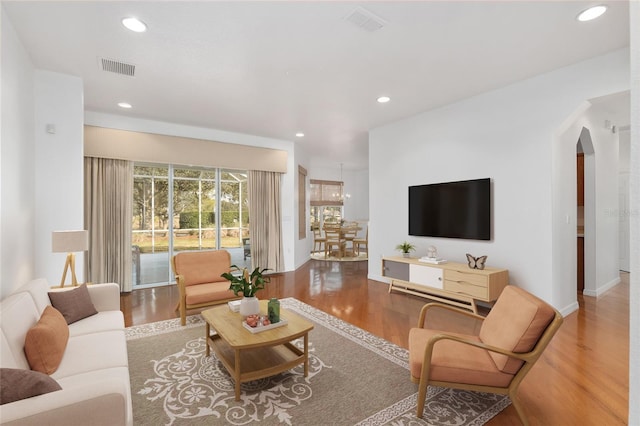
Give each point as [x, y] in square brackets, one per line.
[452, 210]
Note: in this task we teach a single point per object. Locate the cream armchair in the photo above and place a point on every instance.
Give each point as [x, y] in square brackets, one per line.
[492, 354]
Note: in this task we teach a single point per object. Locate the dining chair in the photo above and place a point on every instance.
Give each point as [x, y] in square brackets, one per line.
[358, 242]
[318, 240]
[493, 354]
[349, 233]
[333, 239]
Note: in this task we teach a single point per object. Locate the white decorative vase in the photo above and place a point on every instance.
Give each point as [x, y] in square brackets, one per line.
[406, 254]
[249, 306]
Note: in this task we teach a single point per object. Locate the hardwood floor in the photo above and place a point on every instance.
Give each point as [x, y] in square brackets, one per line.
[581, 379]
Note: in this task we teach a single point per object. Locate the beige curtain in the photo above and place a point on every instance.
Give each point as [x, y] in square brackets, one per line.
[108, 198]
[265, 220]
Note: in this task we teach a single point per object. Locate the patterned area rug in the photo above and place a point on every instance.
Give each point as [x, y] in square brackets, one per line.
[355, 378]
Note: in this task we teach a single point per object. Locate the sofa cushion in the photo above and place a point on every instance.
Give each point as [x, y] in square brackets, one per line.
[46, 341]
[453, 361]
[102, 321]
[74, 304]
[17, 384]
[38, 290]
[92, 352]
[106, 377]
[205, 293]
[19, 314]
[515, 323]
[202, 266]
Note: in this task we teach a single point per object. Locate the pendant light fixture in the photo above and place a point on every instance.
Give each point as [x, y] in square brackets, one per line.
[340, 196]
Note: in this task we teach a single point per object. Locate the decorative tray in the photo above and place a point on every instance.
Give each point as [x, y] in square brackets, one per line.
[262, 328]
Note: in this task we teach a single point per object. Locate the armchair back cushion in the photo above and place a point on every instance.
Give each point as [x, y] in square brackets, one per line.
[202, 266]
[515, 323]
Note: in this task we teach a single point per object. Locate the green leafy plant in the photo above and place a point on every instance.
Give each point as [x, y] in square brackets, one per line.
[405, 247]
[245, 283]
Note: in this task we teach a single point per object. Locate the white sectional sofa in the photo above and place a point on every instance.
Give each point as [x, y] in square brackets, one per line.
[93, 372]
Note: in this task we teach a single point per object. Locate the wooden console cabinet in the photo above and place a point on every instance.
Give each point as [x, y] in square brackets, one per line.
[452, 283]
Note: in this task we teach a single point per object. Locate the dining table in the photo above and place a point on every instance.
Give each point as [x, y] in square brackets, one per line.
[341, 235]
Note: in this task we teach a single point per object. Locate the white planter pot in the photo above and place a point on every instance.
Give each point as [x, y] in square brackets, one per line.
[249, 306]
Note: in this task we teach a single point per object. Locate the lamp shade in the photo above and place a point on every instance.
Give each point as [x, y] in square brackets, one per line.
[69, 241]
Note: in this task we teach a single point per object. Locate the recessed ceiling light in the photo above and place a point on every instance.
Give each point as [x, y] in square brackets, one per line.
[124, 105]
[383, 99]
[300, 135]
[591, 13]
[134, 24]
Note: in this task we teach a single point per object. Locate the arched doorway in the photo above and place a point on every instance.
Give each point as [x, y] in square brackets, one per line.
[585, 212]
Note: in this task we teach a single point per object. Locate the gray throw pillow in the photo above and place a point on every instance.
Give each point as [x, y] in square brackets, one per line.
[74, 305]
[17, 384]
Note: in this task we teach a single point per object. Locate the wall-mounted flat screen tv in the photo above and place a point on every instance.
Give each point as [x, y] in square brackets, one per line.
[451, 210]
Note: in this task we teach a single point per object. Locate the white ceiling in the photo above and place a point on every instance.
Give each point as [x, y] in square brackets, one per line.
[276, 68]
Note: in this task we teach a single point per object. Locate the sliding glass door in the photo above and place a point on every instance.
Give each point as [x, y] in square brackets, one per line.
[194, 206]
[176, 209]
[150, 232]
[234, 209]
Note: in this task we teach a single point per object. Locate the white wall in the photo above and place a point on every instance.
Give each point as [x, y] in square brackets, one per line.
[303, 246]
[634, 203]
[59, 175]
[506, 135]
[360, 197]
[624, 139]
[289, 190]
[17, 185]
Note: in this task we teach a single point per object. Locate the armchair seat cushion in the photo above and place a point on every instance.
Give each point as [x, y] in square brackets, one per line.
[205, 293]
[454, 361]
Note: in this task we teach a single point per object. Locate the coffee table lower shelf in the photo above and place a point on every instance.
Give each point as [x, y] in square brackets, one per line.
[248, 364]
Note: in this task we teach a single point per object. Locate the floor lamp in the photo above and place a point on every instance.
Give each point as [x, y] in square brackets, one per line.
[69, 242]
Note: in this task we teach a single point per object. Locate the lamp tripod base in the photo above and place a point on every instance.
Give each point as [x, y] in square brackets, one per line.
[70, 263]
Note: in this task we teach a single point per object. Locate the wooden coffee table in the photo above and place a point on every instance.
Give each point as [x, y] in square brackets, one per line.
[248, 356]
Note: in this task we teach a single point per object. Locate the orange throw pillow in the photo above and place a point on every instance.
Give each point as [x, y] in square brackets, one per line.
[46, 341]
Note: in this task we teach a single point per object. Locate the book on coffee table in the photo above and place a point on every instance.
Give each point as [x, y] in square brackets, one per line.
[234, 305]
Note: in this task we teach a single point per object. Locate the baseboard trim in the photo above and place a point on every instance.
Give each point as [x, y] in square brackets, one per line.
[569, 309]
[376, 277]
[602, 289]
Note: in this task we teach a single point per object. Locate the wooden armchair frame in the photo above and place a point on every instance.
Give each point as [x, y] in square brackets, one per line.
[511, 390]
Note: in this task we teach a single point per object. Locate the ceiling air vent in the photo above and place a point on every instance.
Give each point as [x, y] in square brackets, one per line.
[117, 67]
[366, 20]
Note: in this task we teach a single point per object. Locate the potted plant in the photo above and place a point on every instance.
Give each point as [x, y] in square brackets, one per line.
[248, 285]
[405, 248]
